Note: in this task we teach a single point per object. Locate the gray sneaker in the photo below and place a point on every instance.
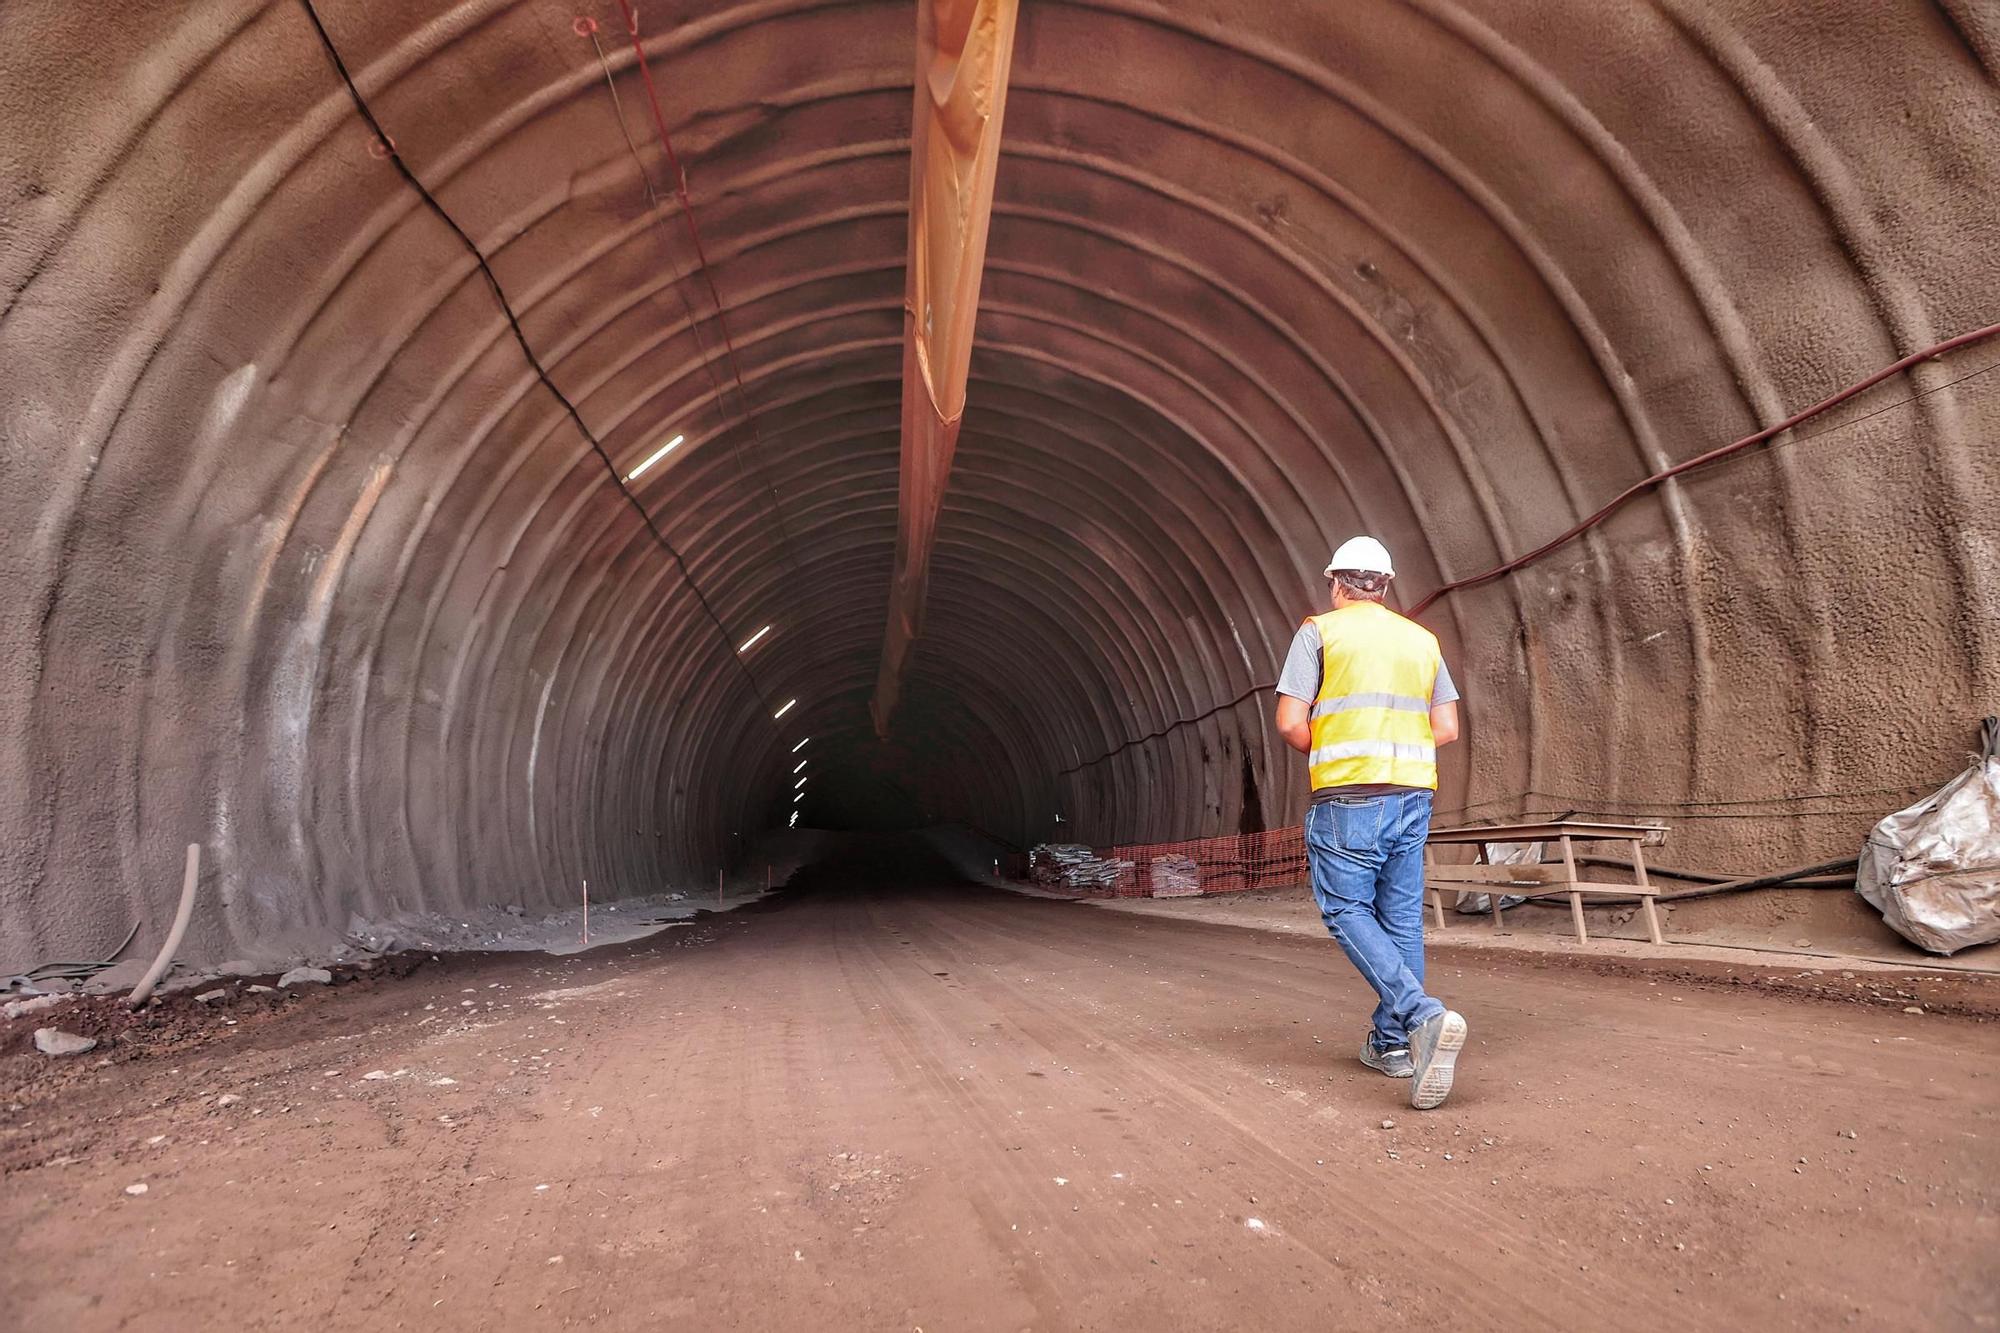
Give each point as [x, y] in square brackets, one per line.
[1395, 1062]
[1434, 1047]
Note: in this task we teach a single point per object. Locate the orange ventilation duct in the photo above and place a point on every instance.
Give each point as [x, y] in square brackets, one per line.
[964, 51]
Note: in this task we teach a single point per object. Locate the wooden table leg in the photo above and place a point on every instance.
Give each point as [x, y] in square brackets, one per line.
[1645, 898]
[1437, 894]
[1575, 898]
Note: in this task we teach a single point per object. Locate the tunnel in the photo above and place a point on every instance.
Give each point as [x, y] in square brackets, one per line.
[345, 345]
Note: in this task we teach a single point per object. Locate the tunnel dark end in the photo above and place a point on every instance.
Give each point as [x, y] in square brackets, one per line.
[862, 784]
[884, 865]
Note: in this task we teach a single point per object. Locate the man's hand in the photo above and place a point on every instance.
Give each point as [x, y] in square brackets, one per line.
[1295, 722]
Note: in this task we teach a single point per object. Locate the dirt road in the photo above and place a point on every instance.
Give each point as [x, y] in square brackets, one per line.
[946, 1108]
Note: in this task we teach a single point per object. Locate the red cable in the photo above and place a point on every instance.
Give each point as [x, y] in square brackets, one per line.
[1487, 576]
[1700, 460]
[680, 189]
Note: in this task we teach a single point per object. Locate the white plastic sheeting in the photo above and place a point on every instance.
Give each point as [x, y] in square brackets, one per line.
[1500, 854]
[1933, 870]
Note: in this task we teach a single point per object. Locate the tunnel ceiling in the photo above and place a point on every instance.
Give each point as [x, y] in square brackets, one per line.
[308, 564]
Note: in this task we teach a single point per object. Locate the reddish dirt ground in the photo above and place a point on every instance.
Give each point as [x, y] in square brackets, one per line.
[944, 1108]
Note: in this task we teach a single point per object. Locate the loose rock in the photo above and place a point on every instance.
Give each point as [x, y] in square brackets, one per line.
[54, 1041]
[212, 996]
[17, 1008]
[302, 976]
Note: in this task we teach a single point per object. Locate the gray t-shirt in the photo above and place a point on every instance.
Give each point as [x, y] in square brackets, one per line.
[1300, 678]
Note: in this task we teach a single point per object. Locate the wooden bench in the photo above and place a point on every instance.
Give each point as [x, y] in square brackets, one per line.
[1544, 880]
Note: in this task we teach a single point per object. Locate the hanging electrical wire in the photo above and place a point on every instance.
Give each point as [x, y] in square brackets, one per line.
[388, 149]
[657, 213]
[656, 209]
[745, 408]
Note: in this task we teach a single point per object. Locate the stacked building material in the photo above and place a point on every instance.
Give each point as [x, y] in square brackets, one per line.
[1176, 876]
[1074, 866]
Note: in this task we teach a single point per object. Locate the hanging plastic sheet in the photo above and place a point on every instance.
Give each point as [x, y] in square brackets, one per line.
[965, 49]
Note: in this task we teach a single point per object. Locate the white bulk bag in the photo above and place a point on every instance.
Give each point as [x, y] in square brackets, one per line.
[1500, 854]
[1933, 870]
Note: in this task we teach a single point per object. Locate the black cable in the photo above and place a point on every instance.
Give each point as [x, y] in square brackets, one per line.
[1795, 439]
[1546, 816]
[1251, 693]
[514, 323]
[1636, 802]
[1680, 807]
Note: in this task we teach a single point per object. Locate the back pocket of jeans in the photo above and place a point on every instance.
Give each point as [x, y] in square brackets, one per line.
[1357, 826]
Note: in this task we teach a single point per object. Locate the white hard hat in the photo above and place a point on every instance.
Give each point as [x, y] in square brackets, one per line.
[1362, 554]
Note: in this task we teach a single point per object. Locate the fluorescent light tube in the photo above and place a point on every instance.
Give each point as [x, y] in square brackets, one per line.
[655, 457]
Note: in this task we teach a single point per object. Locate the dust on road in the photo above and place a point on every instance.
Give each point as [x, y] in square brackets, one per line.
[945, 1108]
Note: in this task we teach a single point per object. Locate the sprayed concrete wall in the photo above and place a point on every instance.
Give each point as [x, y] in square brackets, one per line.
[304, 563]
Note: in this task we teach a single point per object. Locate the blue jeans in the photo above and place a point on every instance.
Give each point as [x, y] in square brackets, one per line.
[1367, 855]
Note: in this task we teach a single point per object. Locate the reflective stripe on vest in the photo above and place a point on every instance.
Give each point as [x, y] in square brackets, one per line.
[1372, 699]
[1371, 722]
[1375, 749]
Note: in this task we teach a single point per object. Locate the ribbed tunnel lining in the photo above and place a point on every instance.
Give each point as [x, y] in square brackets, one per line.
[307, 568]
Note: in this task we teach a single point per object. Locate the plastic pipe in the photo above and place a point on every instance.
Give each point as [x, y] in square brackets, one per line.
[189, 878]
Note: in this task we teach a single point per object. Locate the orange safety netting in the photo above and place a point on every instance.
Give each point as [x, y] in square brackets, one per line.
[965, 49]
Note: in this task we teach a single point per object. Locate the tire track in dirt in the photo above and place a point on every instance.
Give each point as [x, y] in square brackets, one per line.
[1641, 1055]
[851, 1111]
[1199, 1096]
[1188, 1105]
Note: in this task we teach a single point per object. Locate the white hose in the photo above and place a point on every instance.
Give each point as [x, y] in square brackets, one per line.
[173, 941]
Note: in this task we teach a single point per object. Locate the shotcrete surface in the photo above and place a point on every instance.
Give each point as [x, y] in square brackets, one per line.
[303, 562]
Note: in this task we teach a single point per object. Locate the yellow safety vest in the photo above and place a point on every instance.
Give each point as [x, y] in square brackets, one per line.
[1372, 719]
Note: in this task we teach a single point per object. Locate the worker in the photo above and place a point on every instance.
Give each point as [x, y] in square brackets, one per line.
[1365, 696]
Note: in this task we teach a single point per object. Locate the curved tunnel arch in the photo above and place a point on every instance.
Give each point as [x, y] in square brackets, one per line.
[310, 567]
